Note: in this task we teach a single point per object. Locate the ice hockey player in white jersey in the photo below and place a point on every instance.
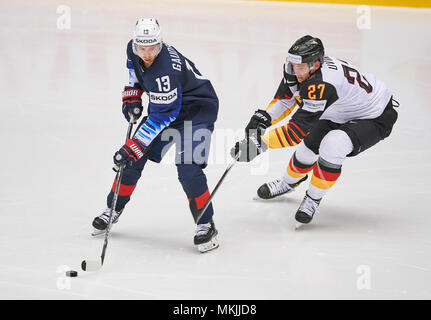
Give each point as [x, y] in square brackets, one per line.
[342, 113]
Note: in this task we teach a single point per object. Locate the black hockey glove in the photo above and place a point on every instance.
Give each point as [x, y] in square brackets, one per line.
[132, 103]
[258, 124]
[248, 149]
[252, 145]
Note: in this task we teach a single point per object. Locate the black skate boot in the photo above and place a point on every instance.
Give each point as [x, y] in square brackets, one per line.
[306, 211]
[277, 187]
[206, 237]
[100, 223]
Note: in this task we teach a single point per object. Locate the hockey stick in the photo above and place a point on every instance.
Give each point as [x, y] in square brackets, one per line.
[201, 212]
[95, 265]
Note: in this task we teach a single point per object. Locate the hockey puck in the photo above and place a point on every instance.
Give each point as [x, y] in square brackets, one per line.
[71, 273]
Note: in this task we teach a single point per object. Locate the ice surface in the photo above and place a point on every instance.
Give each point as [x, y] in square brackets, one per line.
[61, 122]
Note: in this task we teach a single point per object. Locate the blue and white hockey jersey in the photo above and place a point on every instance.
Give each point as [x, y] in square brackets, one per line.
[177, 92]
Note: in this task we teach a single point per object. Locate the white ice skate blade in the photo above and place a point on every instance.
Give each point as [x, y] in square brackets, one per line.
[210, 245]
[97, 232]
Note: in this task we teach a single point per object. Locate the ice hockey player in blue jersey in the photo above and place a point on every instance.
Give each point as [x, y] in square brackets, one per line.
[181, 102]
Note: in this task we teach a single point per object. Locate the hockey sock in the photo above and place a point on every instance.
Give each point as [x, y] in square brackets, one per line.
[127, 186]
[334, 148]
[194, 183]
[296, 170]
[198, 203]
[325, 174]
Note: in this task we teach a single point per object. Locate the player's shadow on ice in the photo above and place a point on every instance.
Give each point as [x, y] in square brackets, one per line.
[145, 238]
[279, 199]
[330, 217]
[333, 218]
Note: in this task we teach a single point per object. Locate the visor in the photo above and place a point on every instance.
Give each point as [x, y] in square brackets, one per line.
[157, 49]
[294, 59]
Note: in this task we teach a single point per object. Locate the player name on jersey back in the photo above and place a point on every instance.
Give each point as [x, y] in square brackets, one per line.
[175, 58]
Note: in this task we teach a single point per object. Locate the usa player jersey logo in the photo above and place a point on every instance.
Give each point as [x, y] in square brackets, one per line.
[163, 98]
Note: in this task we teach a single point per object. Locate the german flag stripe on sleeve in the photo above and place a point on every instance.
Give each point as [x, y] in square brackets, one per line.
[289, 134]
[292, 135]
[295, 128]
[289, 140]
[273, 101]
[283, 144]
[282, 116]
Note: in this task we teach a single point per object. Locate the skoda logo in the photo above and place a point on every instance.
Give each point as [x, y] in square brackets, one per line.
[146, 40]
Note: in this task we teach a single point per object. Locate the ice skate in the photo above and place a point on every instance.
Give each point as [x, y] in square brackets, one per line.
[100, 223]
[306, 211]
[206, 237]
[276, 188]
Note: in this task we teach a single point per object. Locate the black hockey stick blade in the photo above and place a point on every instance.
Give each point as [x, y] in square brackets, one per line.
[91, 265]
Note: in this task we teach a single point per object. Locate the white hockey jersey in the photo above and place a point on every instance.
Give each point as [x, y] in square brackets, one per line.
[337, 92]
[343, 93]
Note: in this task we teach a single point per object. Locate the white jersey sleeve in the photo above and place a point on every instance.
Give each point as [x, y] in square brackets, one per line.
[132, 74]
[282, 104]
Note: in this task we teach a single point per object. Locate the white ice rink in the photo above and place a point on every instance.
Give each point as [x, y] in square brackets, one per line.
[61, 122]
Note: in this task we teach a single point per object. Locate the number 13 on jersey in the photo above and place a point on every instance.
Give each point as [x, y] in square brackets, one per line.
[163, 84]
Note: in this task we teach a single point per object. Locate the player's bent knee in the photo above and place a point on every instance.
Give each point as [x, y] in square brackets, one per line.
[187, 172]
[335, 146]
[305, 155]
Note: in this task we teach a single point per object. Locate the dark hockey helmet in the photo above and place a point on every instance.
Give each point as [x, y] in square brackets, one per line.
[307, 49]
